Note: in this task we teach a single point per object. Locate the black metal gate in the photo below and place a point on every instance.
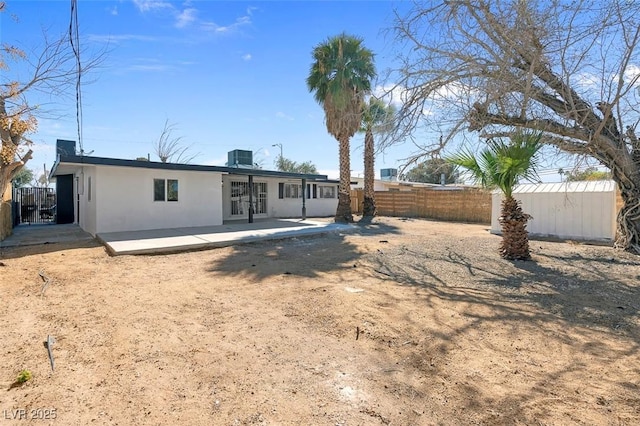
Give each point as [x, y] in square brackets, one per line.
[34, 205]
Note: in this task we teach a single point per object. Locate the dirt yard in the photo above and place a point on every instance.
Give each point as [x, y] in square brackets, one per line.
[403, 322]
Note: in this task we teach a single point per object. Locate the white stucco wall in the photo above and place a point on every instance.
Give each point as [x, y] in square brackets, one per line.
[88, 207]
[279, 207]
[316, 207]
[567, 212]
[124, 199]
[292, 207]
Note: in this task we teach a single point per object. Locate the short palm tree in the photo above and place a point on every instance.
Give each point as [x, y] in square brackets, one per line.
[501, 166]
[340, 76]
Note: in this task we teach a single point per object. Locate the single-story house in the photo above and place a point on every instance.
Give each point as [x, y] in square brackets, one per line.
[568, 210]
[112, 195]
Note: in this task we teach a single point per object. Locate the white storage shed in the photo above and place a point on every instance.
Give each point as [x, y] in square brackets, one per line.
[569, 210]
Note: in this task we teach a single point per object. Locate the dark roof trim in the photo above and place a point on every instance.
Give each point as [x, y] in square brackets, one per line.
[103, 161]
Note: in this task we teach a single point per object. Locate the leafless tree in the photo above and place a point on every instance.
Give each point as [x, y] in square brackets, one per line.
[53, 69]
[568, 69]
[170, 149]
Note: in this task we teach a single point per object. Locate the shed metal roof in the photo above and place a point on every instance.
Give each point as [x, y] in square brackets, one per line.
[580, 186]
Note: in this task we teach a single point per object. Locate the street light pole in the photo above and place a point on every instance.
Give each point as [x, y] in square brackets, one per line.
[280, 145]
[279, 162]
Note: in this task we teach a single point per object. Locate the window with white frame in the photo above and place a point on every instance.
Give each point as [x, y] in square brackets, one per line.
[165, 190]
[326, 191]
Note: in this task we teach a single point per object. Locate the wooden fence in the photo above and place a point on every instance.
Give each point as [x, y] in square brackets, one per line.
[469, 205]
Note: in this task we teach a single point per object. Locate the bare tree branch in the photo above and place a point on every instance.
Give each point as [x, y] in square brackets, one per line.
[169, 149]
[571, 70]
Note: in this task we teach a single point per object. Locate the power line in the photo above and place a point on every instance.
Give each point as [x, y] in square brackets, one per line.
[74, 40]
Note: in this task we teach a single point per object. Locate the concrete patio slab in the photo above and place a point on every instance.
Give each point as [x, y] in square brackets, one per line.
[183, 239]
[31, 235]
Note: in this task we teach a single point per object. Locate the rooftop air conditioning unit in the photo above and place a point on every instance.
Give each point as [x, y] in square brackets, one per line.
[240, 158]
[389, 174]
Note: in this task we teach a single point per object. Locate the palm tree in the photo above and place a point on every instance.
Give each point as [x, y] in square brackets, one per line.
[501, 165]
[340, 76]
[376, 118]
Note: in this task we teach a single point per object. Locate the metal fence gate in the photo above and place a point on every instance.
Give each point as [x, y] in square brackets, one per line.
[34, 205]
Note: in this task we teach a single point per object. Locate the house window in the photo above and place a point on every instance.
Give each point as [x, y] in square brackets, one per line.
[172, 190]
[326, 191]
[292, 190]
[158, 190]
[165, 190]
[89, 188]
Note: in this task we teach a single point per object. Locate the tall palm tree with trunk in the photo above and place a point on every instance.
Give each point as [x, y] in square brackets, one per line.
[376, 118]
[340, 77]
[501, 165]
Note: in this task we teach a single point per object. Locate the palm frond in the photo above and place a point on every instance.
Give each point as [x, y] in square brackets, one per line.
[502, 164]
[340, 77]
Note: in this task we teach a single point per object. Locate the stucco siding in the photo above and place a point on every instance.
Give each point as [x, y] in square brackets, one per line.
[124, 199]
[279, 207]
[88, 201]
[292, 207]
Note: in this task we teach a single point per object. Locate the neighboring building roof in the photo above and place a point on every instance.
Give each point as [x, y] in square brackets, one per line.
[580, 186]
[358, 182]
[60, 167]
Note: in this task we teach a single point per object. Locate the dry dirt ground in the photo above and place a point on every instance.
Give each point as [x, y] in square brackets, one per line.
[403, 322]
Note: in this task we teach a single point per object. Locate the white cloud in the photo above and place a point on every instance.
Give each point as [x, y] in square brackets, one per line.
[632, 75]
[247, 57]
[454, 90]
[186, 17]
[146, 65]
[108, 38]
[284, 116]
[152, 5]
[240, 22]
[586, 80]
[391, 94]
[113, 10]
[149, 68]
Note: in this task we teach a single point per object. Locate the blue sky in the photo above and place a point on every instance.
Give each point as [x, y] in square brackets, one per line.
[227, 74]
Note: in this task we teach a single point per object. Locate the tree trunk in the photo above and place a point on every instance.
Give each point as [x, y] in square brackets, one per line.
[343, 213]
[628, 223]
[515, 238]
[5, 178]
[8, 170]
[369, 207]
